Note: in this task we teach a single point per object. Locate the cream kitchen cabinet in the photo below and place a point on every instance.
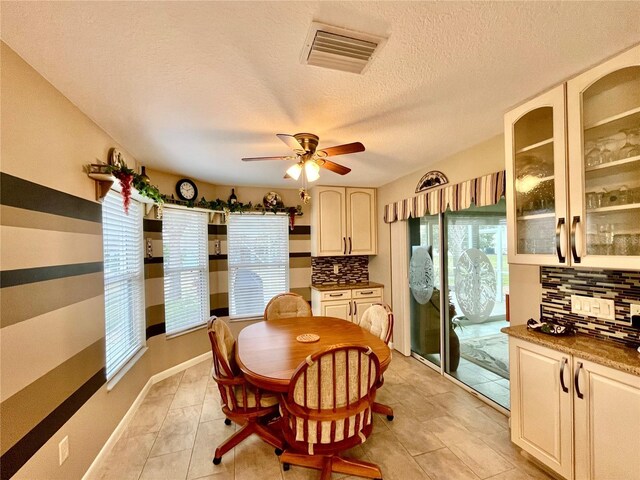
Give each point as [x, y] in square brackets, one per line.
[607, 423]
[579, 418]
[541, 404]
[343, 221]
[346, 304]
[574, 197]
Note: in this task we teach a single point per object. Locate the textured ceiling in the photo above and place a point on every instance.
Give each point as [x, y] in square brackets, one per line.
[191, 88]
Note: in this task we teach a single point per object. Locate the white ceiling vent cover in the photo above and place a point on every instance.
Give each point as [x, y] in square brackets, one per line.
[340, 49]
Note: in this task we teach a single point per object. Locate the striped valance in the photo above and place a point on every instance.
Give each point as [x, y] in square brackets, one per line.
[481, 191]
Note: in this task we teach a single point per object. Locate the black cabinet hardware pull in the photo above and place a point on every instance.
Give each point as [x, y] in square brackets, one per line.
[561, 258]
[350, 245]
[564, 364]
[574, 249]
[576, 380]
[344, 245]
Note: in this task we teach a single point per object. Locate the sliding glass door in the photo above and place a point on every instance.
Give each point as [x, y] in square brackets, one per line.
[477, 280]
[463, 324]
[424, 282]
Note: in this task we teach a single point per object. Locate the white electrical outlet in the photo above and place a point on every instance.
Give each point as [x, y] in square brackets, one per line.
[336, 268]
[635, 309]
[63, 449]
[593, 307]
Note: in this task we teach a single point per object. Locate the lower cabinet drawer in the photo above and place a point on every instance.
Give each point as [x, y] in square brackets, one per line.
[335, 295]
[367, 293]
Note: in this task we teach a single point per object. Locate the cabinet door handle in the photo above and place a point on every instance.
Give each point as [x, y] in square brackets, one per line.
[349, 308]
[370, 292]
[344, 245]
[561, 258]
[336, 294]
[355, 308]
[574, 250]
[350, 245]
[576, 380]
[563, 364]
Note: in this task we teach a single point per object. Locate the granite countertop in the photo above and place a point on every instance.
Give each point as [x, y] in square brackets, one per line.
[607, 353]
[346, 286]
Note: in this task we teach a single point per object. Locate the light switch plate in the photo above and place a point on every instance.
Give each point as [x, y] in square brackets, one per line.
[63, 449]
[594, 307]
[635, 309]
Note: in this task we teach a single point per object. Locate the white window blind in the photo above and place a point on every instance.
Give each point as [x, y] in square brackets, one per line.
[123, 281]
[258, 262]
[186, 269]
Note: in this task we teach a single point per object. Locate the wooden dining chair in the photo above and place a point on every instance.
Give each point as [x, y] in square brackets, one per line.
[328, 409]
[378, 319]
[287, 305]
[242, 403]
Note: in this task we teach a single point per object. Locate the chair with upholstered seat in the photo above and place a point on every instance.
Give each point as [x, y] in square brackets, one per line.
[287, 305]
[242, 403]
[328, 409]
[378, 319]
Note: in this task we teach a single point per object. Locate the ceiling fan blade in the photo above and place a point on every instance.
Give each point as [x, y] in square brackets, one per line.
[291, 142]
[334, 167]
[253, 159]
[342, 149]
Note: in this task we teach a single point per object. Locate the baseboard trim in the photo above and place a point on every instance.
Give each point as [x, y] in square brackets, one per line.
[122, 426]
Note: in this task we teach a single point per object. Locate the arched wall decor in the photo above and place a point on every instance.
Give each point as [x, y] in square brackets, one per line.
[430, 180]
[481, 191]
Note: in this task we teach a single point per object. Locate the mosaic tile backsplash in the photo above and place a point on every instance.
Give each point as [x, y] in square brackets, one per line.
[352, 270]
[623, 287]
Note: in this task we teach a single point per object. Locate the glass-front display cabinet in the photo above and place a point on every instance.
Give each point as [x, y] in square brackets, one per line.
[603, 106]
[536, 180]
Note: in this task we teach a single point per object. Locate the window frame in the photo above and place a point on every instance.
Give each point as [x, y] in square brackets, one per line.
[113, 374]
[231, 265]
[205, 311]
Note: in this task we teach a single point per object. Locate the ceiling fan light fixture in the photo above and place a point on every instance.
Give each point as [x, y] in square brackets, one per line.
[294, 171]
[312, 170]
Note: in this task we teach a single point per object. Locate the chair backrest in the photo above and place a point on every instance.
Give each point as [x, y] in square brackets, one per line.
[331, 395]
[236, 394]
[287, 305]
[378, 319]
[223, 345]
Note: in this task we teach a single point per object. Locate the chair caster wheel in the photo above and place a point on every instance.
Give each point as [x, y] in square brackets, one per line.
[279, 451]
[390, 417]
[286, 467]
[227, 421]
[217, 460]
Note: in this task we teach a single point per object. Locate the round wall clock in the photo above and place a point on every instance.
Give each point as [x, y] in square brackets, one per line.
[186, 189]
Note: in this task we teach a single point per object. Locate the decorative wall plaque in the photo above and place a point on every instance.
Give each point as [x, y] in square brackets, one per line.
[431, 180]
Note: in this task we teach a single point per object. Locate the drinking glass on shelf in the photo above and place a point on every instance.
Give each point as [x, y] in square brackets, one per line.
[592, 200]
[592, 157]
[628, 150]
[606, 152]
[624, 196]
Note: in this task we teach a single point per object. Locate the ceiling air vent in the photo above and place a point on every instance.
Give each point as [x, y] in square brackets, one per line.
[340, 49]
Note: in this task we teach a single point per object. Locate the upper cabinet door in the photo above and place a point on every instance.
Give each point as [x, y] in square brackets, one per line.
[535, 152]
[329, 221]
[603, 106]
[361, 221]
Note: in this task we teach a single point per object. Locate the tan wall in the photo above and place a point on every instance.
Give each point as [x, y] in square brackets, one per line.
[481, 159]
[52, 298]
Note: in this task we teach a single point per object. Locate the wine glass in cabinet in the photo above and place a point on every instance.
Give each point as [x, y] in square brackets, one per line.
[603, 106]
[536, 180]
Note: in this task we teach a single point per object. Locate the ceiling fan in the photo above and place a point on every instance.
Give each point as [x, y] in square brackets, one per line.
[310, 159]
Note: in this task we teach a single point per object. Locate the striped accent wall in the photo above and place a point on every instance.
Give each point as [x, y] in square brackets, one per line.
[52, 293]
[299, 271]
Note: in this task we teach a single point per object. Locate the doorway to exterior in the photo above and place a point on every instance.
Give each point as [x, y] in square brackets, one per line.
[464, 255]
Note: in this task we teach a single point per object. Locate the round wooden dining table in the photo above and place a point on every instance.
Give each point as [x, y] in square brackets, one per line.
[268, 352]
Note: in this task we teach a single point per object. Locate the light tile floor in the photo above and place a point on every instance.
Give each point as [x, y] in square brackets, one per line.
[440, 432]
